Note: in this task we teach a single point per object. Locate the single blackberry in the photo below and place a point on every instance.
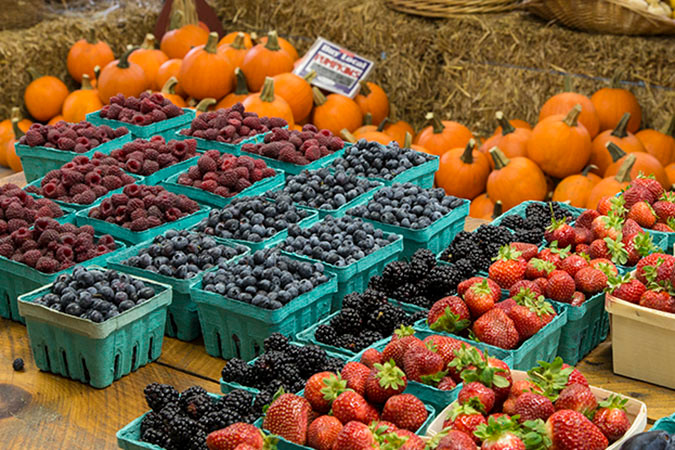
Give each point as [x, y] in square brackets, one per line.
[465, 268]
[289, 375]
[325, 334]
[197, 441]
[352, 301]
[194, 390]
[384, 319]
[405, 292]
[346, 321]
[156, 437]
[263, 399]
[491, 234]
[334, 365]
[479, 261]
[533, 236]
[443, 281]
[196, 405]
[421, 301]
[216, 420]
[348, 341]
[181, 430]
[369, 337]
[377, 283]
[153, 420]
[309, 358]
[395, 274]
[266, 366]
[371, 300]
[421, 262]
[250, 418]
[237, 400]
[159, 395]
[276, 341]
[513, 221]
[169, 412]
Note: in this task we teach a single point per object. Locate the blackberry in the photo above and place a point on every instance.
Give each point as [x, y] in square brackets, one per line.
[348, 341]
[193, 390]
[237, 400]
[369, 337]
[443, 281]
[289, 375]
[263, 399]
[384, 319]
[334, 365]
[479, 261]
[181, 430]
[377, 283]
[196, 405]
[395, 273]
[346, 321]
[533, 236]
[276, 341]
[159, 395]
[325, 334]
[153, 420]
[419, 315]
[236, 370]
[352, 301]
[216, 420]
[465, 268]
[169, 412]
[197, 441]
[371, 300]
[513, 221]
[420, 301]
[266, 366]
[405, 292]
[156, 437]
[310, 357]
[491, 234]
[421, 262]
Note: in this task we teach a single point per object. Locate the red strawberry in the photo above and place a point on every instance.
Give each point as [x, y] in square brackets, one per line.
[643, 214]
[323, 432]
[496, 328]
[444, 346]
[356, 375]
[662, 267]
[582, 236]
[630, 229]
[405, 411]
[527, 251]
[519, 387]
[538, 268]
[446, 384]
[577, 397]
[604, 265]
[578, 299]
[525, 285]
[636, 194]
[605, 226]
[404, 440]
[350, 406]
[658, 299]
[245, 447]
[650, 183]
[599, 249]
[574, 376]
[450, 439]
[604, 205]
[573, 263]
[423, 365]
[570, 430]
[383, 427]
[542, 283]
[371, 357]
[582, 249]
[506, 305]
[466, 284]
[561, 231]
[479, 299]
[531, 406]
[508, 268]
[586, 218]
[500, 433]
[530, 315]
[322, 388]
[450, 314]
[663, 227]
[466, 419]
[627, 288]
[590, 281]
[238, 433]
[384, 381]
[288, 417]
[555, 254]
[403, 339]
[483, 396]
[560, 286]
[611, 418]
[665, 207]
[355, 436]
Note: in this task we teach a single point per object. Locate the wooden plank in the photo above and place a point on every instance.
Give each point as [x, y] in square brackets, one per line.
[17, 178]
[191, 357]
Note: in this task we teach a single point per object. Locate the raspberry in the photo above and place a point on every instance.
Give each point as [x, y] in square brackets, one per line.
[242, 184]
[194, 173]
[78, 189]
[206, 164]
[44, 223]
[45, 211]
[187, 204]
[268, 172]
[85, 198]
[167, 159]
[92, 178]
[242, 172]
[223, 191]
[173, 214]
[31, 257]
[108, 241]
[135, 203]
[111, 182]
[99, 190]
[154, 221]
[47, 265]
[67, 239]
[184, 180]
[313, 153]
[139, 224]
[256, 175]
[15, 211]
[86, 255]
[138, 214]
[259, 164]
[119, 199]
[65, 143]
[66, 228]
[63, 253]
[132, 190]
[86, 229]
[134, 166]
[150, 167]
[34, 138]
[287, 154]
[228, 179]
[209, 185]
[164, 202]
[14, 225]
[6, 249]
[246, 161]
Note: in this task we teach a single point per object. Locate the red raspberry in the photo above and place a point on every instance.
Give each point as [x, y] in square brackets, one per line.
[269, 172]
[6, 249]
[47, 265]
[111, 182]
[256, 175]
[259, 164]
[119, 199]
[313, 153]
[85, 198]
[209, 185]
[78, 189]
[186, 204]
[64, 252]
[287, 154]
[99, 190]
[31, 257]
[242, 184]
[173, 214]
[242, 173]
[223, 191]
[134, 166]
[15, 211]
[139, 224]
[184, 179]
[228, 178]
[154, 221]
[14, 225]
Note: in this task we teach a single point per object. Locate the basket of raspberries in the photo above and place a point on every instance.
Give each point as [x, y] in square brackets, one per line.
[89, 319]
[142, 212]
[20, 210]
[145, 116]
[219, 177]
[48, 147]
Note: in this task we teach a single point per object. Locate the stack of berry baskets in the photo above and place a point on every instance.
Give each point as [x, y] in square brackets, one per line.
[242, 303]
[354, 261]
[47, 147]
[95, 338]
[217, 178]
[145, 116]
[178, 258]
[20, 210]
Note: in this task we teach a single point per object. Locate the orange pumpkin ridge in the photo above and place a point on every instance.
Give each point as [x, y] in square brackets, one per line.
[13, 160]
[512, 141]
[81, 102]
[660, 144]
[612, 102]
[644, 163]
[563, 102]
[576, 188]
[515, 180]
[397, 130]
[122, 77]
[463, 172]
[44, 96]
[236, 51]
[482, 207]
[372, 99]
[206, 74]
[612, 185]
[229, 38]
[600, 157]
[442, 136]
[266, 104]
[184, 31]
[335, 112]
[240, 91]
[170, 68]
[86, 54]
[265, 60]
[297, 91]
[150, 59]
[169, 92]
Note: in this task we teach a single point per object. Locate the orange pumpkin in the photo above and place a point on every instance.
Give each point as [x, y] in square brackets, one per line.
[284, 44]
[407, 143]
[169, 93]
[12, 159]
[81, 102]
[562, 103]
[600, 157]
[86, 54]
[204, 105]
[150, 59]
[398, 130]
[515, 180]
[170, 68]
[372, 99]
[463, 172]
[511, 141]
[482, 207]
[178, 42]
[265, 60]
[612, 103]
[670, 173]
[122, 77]
[560, 145]
[266, 104]
[44, 96]
[6, 129]
[206, 74]
[612, 185]
[235, 51]
[660, 144]
[576, 188]
[441, 136]
[229, 38]
[335, 112]
[366, 127]
[58, 118]
[370, 136]
[297, 92]
[515, 123]
[644, 163]
[239, 94]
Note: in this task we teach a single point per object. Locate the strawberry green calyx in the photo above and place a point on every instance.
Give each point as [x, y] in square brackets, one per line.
[561, 252]
[614, 222]
[556, 223]
[391, 441]
[389, 375]
[270, 441]
[526, 294]
[615, 281]
[281, 391]
[539, 306]
[670, 221]
[494, 429]
[644, 244]
[617, 207]
[617, 250]
[473, 406]
[584, 255]
[433, 443]
[651, 272]
[507, 253]
[433, 379]
[534, 436]
[668, 197]
[550, 377]
[482, 372]
[404, 331]
[648, 177]
[335, 386]
[542, 266]
[605, 268]
[614, 402]
[449, 322]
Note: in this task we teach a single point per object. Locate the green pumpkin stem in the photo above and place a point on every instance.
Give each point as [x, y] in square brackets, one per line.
[148, 42]
[620, 130]
[615, 151]
[436, 123]
[499, 158]
[588, 168]
[34, 74]
[15, 118]
[273, 41]
[383, 124]
[347, 136]
[241, 87]
[204, 104]
[212, 43]
[623, 175]
[367, 119]
[507, 128]
[170, 86]
[407, 141]
[669, 129]
[467, 156]
[572, 117]
[123, 63]
[318, 97]
[498, 209]
[365, 90]
[267, 93]
[239, 42]
[86, 83]
[309, 76]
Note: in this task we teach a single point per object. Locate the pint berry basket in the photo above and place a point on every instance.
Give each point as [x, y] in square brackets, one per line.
[165, 128]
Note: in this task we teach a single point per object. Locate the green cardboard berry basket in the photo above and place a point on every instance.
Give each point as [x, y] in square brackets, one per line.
[294, 169]
[37, 161]
[166, 128]
[274, 183]
[222, 147]
[355, 277]
[95, 353]
[166, 172]
[666, 424]
[76, 206]
[18, 279]
[236, 329]
[342, 210]
[522, 207]
[422, 175]
[136, 237]
[434, 237]
[182, 320]
[665, 238]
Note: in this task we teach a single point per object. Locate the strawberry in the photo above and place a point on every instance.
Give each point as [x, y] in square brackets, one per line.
[551, 378]
[371, 357]
[590, 281]
[384, 381]
[528, 315]
[444, 346]
[560, 286]
[525, 285]
[665, 207]
[323, 432]
[604, 205]
[542, 283]
[356, 375]
[446, 384]
[658, 299]
[483, 395]
[582, 249]
[578, 299]
[538, 268]
[451, 314]
[507, 268]
[573, 263]
[403, 440]
[664, 227]
[574, 377]
[531, 406]
[527, 251]
[238, 433]
[604, 265]
[582, 236]
[636, 194]
[476, 366]
[571, 430]
[450, 439]
[555, 254]
[322, 388]
[245, 447]
[561, 231]
[350, 406]
[402, 339]
[355, 436]
[660, 264]
[651, 184]
[405, 411]
[466, 419]
[611, 417]
[423, 365]
[466, 284]
[599, 249]
[605, 226]
[479, 299]
[586, 218]
[630, 229]
[496, 328]
[577, 397]
[500, 434]
[519, 387]
[288, 417]
[626, 288]
[382, 427]
[506, 305]
[643, 214]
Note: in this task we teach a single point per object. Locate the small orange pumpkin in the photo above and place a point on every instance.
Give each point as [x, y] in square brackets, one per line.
[562, 103]
[644, 163]
[515, 180]
[515, 123]
[6, 129]
[44, 96]
[81, 102]
[206, 74]
[170, 68]
[463, 172]
[366, 127]
[600, 157]
[86, 54]
[56, 119]
[372, 99]
[670, 172]
[482, 207]
[12, 159]
[512, 141]
[178, 42]
[284, 44]
[234, 52]
[169, 93]
[297, 92]
[576, 188]
[441, 136]
[335, 112]
[150, 59]
[612, 103]
[612, 185]
[370, 136]
[122, 77]
[398, 130]
[660, 144]
[239, 94]
[229, 38]
[265, 60]
[266, 104]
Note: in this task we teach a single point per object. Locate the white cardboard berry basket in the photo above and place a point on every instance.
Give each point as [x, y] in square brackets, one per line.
[635, 409]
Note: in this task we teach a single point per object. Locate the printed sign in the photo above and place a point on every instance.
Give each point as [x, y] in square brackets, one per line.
[337, 69]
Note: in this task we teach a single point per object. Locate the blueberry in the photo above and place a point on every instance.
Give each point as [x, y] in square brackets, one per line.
[125, 305]
[73, 309]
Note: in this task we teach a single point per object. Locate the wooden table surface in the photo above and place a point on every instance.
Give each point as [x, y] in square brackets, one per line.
[41, 410]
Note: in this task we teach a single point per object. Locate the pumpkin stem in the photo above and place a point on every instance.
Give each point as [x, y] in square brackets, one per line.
[623, 175]
[86, 83]
[170, 86]
[15, 118]
[588, 168]
[239, 41]
[507, 128]
[272, 41]
[669, 129]
[572, 116]
[567, 84]
[365, 90]
[620, 130]
[407, 141]
[97, 72]
[317, 95]
[436, 123]
[309, 76]
[367, 119]
[615, 151]
[499, 158]
[498, 209]
[242, 87]
[614, 82]
[91, 36]
[383, 124]
[124, 59]
[267, 93]
[204, 104]
[148, 42]
[34, 74]
[347, 136]
[467, 156]
[212, 43]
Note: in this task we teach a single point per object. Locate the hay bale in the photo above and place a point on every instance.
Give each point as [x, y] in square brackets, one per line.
[17, 14]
